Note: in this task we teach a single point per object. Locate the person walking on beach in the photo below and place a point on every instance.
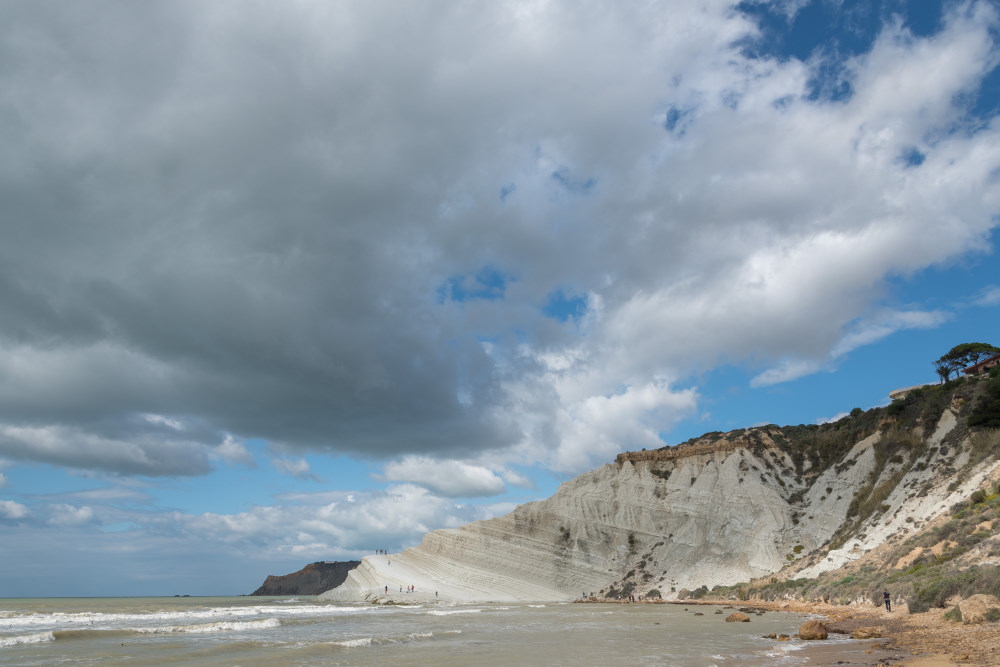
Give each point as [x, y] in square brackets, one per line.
[887, 599]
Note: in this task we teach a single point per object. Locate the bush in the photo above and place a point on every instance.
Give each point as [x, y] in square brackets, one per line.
[986, 412]
[954, 614]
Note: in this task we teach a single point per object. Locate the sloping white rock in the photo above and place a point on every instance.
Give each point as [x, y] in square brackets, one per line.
[718, 517]
[719, 512]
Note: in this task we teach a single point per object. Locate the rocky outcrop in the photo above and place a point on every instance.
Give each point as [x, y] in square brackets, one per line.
[313, 579]
[722, 509]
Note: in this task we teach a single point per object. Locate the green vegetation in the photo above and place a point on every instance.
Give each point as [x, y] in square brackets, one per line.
[947, 559]
[954, 614]
[986, 412]
[936, 573]
[961, 357]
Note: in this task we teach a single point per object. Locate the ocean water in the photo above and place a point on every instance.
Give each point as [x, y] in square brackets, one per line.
[254, 631]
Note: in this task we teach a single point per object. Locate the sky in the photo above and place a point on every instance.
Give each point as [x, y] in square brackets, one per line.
[289, 282]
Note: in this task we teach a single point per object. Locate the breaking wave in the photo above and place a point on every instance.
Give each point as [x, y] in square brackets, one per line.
[36, 638]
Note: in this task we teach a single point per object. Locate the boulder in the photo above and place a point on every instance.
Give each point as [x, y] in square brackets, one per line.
[974, 608]
[737, 617]
[813, 630]
[867, 633]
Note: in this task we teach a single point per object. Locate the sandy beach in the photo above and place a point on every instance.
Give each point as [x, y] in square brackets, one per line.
[907, 640]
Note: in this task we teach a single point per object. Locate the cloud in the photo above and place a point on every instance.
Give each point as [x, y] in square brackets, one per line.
[141, 550]
[233, 452]
[294, 467]
[988, 296]
[78, 448]
[446, 478]
[266, 224]
[68, 515]
[13, 510]
[865, 331]
[350, 526]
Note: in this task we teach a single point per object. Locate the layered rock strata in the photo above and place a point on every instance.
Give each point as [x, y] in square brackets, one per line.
[721, 510]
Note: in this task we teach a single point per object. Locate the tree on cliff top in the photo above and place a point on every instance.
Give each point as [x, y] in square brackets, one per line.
[961, 357]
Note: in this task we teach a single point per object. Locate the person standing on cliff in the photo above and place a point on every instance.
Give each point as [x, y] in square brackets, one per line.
[887, 599]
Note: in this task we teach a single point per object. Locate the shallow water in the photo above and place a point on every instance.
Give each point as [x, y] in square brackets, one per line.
[253, 631]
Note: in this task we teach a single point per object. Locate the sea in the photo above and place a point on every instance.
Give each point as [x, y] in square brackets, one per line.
[277, 631]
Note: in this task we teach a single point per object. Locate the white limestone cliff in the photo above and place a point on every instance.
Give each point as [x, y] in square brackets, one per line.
[711, 513]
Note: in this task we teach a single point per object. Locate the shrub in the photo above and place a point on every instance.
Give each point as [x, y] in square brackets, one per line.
[699, 593]
[954, 614]
[986, 412]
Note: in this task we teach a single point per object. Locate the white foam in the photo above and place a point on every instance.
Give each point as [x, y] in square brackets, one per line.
[220, 626]
[453, 611]
[36, 638]
[69, 621]
[354, 643]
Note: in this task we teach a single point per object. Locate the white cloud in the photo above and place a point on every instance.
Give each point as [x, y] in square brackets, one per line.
[786, 371]
[69, 515]
[166, 421]
[884, 324]
[12, 510]
[830, 420]
[988, 296]
[446, 478]
[595, 429]
[294, 467]
[516, 479]
[394, 519]
[234, 452]
[863, 332]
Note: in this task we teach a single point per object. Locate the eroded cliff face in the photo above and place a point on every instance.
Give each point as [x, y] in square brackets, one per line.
[313, 579]
[721, 510]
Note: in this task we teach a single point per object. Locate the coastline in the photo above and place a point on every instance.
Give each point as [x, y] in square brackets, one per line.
[907, 640]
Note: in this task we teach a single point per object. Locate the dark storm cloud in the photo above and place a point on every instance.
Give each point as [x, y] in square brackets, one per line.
[282, 221]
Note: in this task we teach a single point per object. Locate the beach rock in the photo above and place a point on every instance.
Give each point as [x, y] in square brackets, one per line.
[737, 617]
[813, 630]
[784, 638]
[866, 633]
[974, 608]
[770, 636]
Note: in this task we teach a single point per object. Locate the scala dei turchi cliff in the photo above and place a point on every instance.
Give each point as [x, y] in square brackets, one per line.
[720, 509]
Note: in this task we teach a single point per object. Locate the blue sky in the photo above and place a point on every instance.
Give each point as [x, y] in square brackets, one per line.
[286, 283]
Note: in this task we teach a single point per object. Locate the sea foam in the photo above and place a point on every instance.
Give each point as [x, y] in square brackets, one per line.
[36, 638]
[219, 626]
